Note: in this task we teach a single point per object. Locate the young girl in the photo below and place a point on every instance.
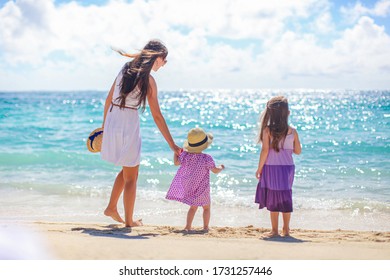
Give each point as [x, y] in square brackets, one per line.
[191, 184]
[276, 166]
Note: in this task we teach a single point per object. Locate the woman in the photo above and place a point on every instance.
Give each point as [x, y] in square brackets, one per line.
[121, 139]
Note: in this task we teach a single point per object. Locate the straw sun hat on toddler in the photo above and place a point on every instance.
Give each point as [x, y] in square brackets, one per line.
[197, 140]
[94, 141]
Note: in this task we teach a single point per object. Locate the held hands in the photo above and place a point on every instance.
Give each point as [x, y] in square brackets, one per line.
[176, 149]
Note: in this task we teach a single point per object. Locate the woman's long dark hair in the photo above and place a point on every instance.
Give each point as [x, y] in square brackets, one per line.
[275, 117]
[136, 72]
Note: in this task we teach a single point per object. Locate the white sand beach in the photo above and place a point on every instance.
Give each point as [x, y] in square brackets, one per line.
[99, 241]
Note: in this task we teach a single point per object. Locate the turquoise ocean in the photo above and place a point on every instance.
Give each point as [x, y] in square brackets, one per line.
[342, 178]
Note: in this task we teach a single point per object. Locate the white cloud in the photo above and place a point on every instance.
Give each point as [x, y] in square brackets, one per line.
[22, 26]
[230, 18]
[361, 53]
[366, 47]
[381, 9]
[323, 23]
[219, 44]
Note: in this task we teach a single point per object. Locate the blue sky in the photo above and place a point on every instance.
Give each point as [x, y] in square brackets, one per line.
[65, 45]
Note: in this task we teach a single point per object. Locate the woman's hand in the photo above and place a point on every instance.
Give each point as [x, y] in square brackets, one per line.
[176, 149]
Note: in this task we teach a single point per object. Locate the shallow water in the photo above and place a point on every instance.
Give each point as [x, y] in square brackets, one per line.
[342, 177]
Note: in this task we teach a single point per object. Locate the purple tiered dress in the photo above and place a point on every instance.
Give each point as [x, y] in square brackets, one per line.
[274, 190]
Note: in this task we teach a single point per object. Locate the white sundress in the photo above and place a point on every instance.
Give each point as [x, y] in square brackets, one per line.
[121, 137]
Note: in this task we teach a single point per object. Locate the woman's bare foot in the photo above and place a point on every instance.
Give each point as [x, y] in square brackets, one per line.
[272, 234]
[137, 223]
[286, 233]
[114, 215]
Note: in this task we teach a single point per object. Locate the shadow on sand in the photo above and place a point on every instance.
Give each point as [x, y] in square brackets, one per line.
[285, 239]
[114, 231]
[191, 232]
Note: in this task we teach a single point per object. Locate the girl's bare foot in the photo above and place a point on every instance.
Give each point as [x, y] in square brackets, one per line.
[286, 233]
[114, 215]
[206, 230]
[272, 234]
[137, 223]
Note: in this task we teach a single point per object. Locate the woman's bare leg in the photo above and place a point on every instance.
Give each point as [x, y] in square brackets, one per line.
[130, 177]
[112, 210]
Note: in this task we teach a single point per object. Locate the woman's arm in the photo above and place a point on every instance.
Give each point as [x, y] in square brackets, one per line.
[158, 117]
[108, 102]
[264, 152]
[297, 143]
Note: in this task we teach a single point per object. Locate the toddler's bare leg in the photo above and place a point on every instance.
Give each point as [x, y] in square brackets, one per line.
[190, 217]
[206, 217]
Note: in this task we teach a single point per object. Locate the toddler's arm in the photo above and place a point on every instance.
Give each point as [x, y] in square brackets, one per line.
[218, 169]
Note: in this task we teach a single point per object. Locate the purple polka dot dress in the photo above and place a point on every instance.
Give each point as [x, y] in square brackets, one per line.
[191, 184]
[274, 190]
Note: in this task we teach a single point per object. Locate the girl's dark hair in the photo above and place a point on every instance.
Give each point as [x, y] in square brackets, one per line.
[275, 117]
[136, 72]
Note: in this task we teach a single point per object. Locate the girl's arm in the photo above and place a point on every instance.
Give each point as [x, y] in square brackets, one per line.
[108, 102]
[218, 169]
[297, 144]
[264, 152]
[158, 117]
